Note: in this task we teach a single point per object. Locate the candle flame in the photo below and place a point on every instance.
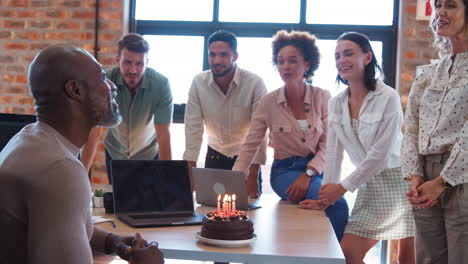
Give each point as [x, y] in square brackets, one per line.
[219, 197]
[233, 197]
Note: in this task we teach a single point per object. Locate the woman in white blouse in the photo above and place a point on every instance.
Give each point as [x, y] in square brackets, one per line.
[435, 145]
[366, 121]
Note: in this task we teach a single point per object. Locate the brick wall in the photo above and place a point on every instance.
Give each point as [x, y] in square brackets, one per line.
[415, 46]
[26, 26]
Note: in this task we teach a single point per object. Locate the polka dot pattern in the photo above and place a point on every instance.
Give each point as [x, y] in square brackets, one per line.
[436, 114]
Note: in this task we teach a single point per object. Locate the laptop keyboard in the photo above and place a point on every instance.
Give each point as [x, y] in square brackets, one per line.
[153, 216]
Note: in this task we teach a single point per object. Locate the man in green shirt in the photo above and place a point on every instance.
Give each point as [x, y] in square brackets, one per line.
[145, 102]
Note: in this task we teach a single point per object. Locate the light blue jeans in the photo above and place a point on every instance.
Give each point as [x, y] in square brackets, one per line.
[285, 172]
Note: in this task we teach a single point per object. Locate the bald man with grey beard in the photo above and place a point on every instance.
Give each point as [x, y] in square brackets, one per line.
[45, 214]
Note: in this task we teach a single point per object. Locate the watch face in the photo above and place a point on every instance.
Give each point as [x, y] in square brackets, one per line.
[310, 172]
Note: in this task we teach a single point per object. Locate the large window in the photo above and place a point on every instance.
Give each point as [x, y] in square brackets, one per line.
[177, 31]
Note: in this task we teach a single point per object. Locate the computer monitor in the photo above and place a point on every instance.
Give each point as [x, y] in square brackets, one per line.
[10, 124]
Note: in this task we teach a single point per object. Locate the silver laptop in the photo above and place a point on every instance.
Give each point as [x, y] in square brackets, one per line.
[209, 183]
[152, 193]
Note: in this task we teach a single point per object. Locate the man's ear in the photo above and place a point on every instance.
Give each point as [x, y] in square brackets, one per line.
[74, 90]
[117, 59]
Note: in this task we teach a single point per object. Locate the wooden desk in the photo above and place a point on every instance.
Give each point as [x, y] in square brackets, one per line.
[285, 234]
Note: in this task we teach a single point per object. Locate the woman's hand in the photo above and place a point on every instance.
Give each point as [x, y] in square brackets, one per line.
[330, 193]
[298, 189]
[415, 198]
[312, 204]
[431, 190]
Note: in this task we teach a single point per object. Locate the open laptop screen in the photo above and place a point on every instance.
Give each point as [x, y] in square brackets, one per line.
[151, 186]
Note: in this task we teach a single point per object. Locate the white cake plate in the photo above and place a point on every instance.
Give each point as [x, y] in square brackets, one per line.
[225, 243]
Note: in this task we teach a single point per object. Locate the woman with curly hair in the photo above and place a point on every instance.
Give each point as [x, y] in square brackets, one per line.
[296, 116]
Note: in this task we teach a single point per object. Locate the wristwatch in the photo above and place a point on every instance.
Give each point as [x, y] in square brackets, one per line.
[309, 172]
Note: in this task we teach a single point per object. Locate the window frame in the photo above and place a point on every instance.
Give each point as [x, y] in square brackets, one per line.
[388, 35]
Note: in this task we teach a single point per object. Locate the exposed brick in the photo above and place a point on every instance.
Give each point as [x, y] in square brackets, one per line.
[15, 68]
[21, 79]
[110, 15]
[17, 90]
[410, 54]
[4, 99]
[109, 37]
[40, 24]
[38, 46]
[71, 3]
[56, 14]
[8, 78]
[107, 61]
[6, 59]
[407, 77]
[25, 100]
[68, 25]
[14, 24]
[83, 14]
[117, 5]
[81, 36]
[55, 36]
[410, 32]
[17, 3]
[28, 35]
[15, 46]
[7, 13]
[42, 3]
[20, 110]
[107, 25]
[411, 9]
[91, 4]
[6, 35]
[28, 14]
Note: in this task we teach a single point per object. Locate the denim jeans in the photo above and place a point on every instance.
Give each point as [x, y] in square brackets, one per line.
[285, 172]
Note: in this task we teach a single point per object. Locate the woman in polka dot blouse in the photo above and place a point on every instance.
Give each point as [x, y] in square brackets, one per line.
[435, 144]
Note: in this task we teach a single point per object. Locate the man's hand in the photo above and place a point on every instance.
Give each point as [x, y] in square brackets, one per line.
[330, 193]
[192, 164]
[252, 181]
[298, 188]
[122, 245]
[149, 254]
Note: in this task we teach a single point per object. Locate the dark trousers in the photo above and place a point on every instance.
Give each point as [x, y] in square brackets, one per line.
[217, 160]
[109, 163]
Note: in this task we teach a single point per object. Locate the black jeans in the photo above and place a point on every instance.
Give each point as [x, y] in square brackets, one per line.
[109, 163]
[217, 160]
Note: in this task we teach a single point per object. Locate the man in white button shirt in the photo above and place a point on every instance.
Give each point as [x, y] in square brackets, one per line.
[223, 100]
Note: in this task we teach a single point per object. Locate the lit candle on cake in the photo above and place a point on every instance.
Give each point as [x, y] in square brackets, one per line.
[234, 203]
[219, 198]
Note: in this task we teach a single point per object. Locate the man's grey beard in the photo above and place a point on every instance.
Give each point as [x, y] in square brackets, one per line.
[110, 119]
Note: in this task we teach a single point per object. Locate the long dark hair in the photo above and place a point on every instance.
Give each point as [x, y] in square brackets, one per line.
[371, 68]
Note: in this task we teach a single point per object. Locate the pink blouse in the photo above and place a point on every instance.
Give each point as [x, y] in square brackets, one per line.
[286, 137]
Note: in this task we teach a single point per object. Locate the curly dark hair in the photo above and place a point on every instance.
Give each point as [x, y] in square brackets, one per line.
[304, 41]
[369, 71]
[442, 43]
[133, 42]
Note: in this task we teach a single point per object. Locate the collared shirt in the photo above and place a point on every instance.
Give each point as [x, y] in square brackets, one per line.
[437, 118]
[286, 136]
[44, 199]
[227, 117]
[377, 145]
[135, 137]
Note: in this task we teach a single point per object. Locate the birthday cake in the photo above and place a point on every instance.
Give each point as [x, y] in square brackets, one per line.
[227, 223]
[236, 226]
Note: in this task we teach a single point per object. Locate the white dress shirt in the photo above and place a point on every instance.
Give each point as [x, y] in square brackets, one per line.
[377, 145]
[437, 118]
[226, 116]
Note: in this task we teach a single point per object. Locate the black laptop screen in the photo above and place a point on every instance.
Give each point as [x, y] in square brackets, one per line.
[151, 186]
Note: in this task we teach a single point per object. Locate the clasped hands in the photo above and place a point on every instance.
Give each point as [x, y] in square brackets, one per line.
[135, 249]
[425, 194]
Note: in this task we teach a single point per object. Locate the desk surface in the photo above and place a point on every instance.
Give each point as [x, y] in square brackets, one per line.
[285, 234]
